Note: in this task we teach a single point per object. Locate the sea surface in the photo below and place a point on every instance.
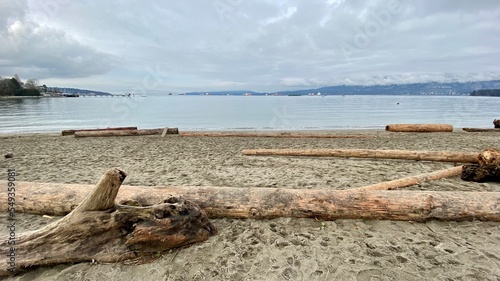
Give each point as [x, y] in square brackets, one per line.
[244, 112]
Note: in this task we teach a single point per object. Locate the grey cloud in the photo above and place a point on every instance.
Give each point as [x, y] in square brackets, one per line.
[264, 44]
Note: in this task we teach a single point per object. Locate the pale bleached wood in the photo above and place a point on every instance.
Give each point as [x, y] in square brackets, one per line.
[264, 203]
[100, 230]
[442, 156]
[419, 128]
[413, 180]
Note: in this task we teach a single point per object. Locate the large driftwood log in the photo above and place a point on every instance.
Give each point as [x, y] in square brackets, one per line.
[142, 132]
[419, 128]
[487, 169]
[98, 229]
[264, 203]
[413, 180]
[443, 156]
[262, 135]
[72, 132]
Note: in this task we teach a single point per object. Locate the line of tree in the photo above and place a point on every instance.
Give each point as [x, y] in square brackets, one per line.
[486, 92]
[15, 87]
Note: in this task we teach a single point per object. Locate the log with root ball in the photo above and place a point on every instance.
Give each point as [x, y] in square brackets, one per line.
[487, 169]
[419, 128]
[442, 156]
[267, 203]
[100, 230]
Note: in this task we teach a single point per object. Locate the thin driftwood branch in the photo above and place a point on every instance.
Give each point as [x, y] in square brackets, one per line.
[413, 180]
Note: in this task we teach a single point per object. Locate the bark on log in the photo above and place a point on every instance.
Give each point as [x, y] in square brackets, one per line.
[442, 156]
[413, 180]
[496, 123]
[282, 135]
[72, 132]
[99, 230]
[480, 130]
[265, 203]
[143, 132]
[419, 128]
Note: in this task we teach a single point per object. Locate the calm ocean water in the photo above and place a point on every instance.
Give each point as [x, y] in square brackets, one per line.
[245, 112]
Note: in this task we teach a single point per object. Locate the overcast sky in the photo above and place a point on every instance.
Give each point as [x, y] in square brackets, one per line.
[263, 45]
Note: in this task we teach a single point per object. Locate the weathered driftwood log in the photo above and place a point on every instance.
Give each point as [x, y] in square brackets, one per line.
[413, 180]
[72, 132]
[443, 156]
[264, 203]
[480, 130]
[488, 168]
[419, 128]
[496, 123]
[98, 229]
[142, 132]
[280, 135]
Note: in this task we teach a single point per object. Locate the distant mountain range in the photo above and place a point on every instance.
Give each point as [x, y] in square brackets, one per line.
[432, 88]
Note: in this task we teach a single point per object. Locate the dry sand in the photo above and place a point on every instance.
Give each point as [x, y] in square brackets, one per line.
[278, 249]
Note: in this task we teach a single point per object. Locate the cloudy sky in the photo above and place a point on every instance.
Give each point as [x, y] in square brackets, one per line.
[263, 45]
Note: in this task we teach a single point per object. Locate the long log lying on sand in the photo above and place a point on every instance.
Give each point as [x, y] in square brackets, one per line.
[442, 156]
[413, 180]
[98, 229]
[280, 135]
[265, 203]
[480, 130]
[72, 132]
[419, 128]
[143, 132]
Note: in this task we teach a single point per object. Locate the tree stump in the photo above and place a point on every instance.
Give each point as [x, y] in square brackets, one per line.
[100, 230]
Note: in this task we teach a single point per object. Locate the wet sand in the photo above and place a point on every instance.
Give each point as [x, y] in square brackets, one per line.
[278, 249]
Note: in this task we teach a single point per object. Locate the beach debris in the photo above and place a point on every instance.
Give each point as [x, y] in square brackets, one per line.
[100, 230]
[419, 128]
[441, 156]
[480, 130]
[72, 132]
[119, 133]
[268, 203]
[275, 135]
[487, 169]
[169, 131]
[496, 123]
[413, 180]
[9, 155]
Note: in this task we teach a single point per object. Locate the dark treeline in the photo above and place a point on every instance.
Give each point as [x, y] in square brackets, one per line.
[490, 92]
[15, 87]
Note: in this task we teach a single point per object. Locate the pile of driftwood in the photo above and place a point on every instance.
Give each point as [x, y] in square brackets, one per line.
[118, 131]
[104, 225]
[496, 124]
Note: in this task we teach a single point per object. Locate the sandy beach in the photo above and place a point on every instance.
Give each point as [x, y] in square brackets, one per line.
[278, 249]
